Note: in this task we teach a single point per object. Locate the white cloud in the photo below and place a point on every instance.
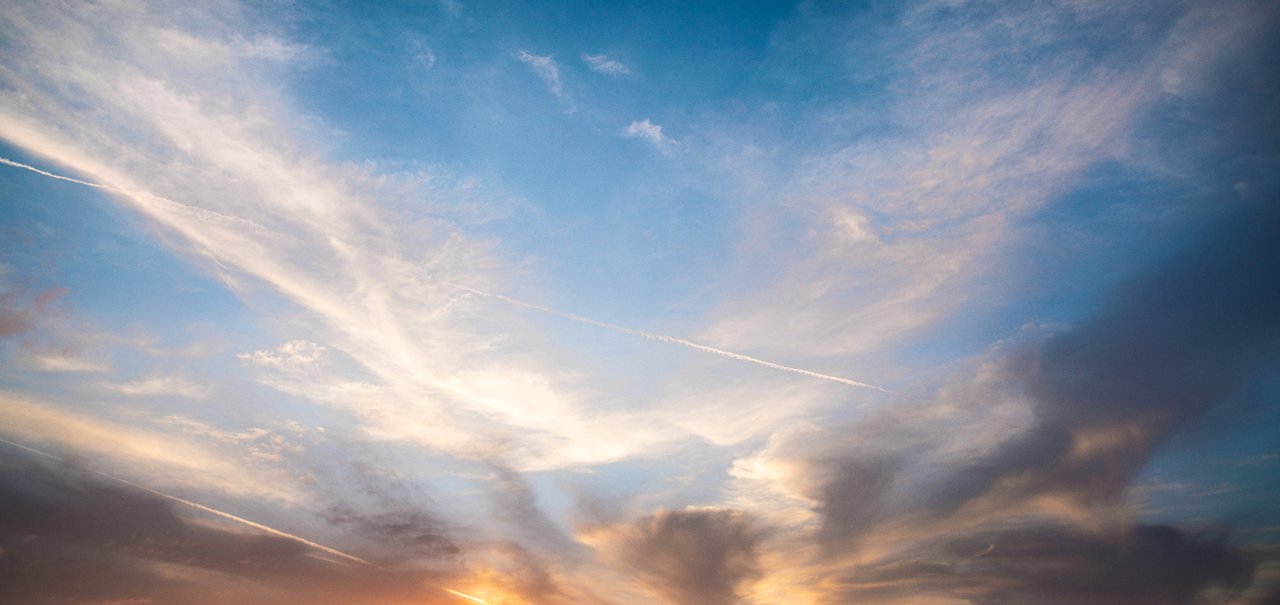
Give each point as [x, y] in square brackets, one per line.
[295, 354]
[548, 70]
[605, 65]
[648, 131]
[258, 443]
[171, 384]
[67, 362]
[131, 451]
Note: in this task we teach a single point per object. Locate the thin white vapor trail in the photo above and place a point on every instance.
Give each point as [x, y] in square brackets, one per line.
[465, 596]
[668, 339]
[196, 505]
[140, 195]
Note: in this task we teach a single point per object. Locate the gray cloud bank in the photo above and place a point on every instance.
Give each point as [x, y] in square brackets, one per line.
[69, 536]
[1042, 511]
[695, 556]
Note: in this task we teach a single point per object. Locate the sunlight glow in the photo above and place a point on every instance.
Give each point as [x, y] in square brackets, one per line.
[466, 596]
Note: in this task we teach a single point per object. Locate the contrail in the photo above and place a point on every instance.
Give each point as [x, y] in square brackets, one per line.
[61, 178]
[465, 596]
[202, 213]
[668, 339]
[225, 515]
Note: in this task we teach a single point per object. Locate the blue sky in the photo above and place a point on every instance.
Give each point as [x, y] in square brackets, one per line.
[929, 302]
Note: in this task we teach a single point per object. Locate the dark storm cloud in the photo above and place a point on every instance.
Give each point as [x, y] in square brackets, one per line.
[73, 537]
[1057, 565]
[694, 556]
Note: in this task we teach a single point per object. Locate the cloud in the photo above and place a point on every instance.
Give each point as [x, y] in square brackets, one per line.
[605, 65]
[515, 503]
[1166, 349]
[73, 536]
[171, 384]
[49, 343]
[548, 71]
[536, 550]
[897, 231]
[405, 532]
[695, 556]
[67, 361]
[167, 461]
[1056, 565]
[253, 443]
[388, 513]
[13, 322]
[295, 354]
[14, 318]
[529, 577]
[648, 131]
[1028, 456]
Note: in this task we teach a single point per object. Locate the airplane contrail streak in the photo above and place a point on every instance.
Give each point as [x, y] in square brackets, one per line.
[60, 177]
[201, 212]
[196, 505]
[668, 339]
[465, 596]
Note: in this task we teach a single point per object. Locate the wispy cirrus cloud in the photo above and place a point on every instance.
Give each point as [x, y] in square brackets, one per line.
[603, 64]
[168, 384]
[546, 68]
[896, 228]
[169, 461]
[66, 361]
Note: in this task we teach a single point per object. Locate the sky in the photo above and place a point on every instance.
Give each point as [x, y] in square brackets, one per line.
[932, 302]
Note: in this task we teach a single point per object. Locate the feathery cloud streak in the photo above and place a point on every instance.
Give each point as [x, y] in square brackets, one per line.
[548, 71]
[603, 64]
